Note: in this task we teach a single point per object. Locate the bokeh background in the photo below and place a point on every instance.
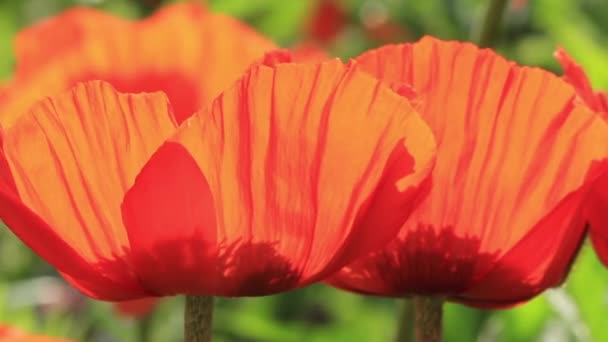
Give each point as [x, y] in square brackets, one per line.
[34, 298]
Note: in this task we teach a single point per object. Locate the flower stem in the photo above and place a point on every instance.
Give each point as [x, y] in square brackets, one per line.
[143, 327]
[428, 312]
[491, 22]
[198, 318]
[405, 332]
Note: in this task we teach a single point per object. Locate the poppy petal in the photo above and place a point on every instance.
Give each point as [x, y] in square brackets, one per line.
[275, 57]
[599, 238]
[595, 210]
[285, 186]
[512, 146]
[279, 56]
[52, 247]
[576, 76]
[72, 158]
[6, 179]
[49, 39]
[598, 200]
[542, 259]
[122, 53]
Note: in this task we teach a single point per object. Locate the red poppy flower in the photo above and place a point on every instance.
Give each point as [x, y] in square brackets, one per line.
[136, 307]
[12, 334]
[181, 50]
[598, 199]
[277, 184]
[502, 221]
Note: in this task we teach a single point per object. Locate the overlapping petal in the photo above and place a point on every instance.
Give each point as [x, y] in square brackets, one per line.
[66, 165]
[576, 76]
[595, 211]
[504, 212]
[283, 180]
[597, 202]
[182, 50]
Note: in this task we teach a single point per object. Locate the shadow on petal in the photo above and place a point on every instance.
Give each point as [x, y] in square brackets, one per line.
[239, 269]
[255, 269]
[426, 261]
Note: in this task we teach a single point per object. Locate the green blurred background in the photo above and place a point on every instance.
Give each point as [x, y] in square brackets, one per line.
[35, 299]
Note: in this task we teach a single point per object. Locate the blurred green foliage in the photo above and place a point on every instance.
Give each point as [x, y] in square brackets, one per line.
[532, 29]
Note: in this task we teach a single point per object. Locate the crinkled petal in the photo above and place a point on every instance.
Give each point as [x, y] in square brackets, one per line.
[576, 76]
[287, 185]
[71, 158]
[597, 203]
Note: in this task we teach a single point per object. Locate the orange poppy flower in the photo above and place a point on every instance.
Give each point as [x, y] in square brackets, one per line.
[598, 199]
[502, 221]
[279, 183]
[12, 334]
[182, 50]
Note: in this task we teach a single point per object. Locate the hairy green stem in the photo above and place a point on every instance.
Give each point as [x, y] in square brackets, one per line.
[428, 312]
[198, 319]
[491, 22]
